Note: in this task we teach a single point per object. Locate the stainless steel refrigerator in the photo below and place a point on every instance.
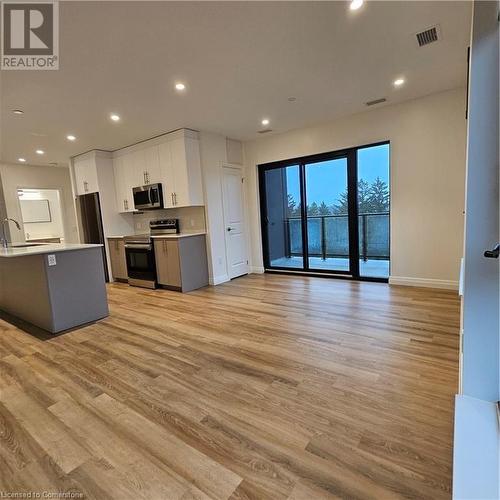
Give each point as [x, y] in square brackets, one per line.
[91, 223]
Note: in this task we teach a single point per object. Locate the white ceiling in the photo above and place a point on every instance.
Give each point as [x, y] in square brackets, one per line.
[239, 60]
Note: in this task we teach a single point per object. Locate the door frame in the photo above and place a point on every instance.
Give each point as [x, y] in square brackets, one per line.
[352, 192]
[241, 171]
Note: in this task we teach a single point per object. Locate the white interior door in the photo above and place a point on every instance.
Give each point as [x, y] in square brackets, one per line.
[480, 308]
[234, 221]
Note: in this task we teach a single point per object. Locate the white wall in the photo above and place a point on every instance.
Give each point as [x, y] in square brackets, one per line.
[40, 230]
[427, 179]
[213, 154]
[215, 151]
[14, 177]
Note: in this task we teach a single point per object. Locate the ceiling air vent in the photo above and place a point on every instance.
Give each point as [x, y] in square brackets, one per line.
[265, 131]
[376, 101]
[428, 36]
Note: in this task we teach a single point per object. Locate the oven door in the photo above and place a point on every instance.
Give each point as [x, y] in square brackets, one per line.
[141, 265]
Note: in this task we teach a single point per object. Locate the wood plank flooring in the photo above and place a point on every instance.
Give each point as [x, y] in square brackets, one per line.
[267, 387]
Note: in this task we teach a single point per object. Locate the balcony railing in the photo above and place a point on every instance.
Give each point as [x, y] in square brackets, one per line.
[328, 236]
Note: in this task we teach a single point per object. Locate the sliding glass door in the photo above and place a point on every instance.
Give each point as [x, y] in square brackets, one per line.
[373, 210]
[282, 217]
[328, 213]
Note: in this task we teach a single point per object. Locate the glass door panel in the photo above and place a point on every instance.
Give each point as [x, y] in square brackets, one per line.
[373, 211]
[282, 220]
[327, 215]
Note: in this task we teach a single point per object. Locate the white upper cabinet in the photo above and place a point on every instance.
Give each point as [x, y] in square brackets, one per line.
[151, 172]
[125, 179]
[172, 160]
[180, 170]
[85, 175]
[166, 172]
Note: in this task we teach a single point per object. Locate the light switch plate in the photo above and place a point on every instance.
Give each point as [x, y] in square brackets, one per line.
[51, 259]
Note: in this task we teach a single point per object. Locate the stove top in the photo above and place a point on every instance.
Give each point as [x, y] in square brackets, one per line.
[157, 227]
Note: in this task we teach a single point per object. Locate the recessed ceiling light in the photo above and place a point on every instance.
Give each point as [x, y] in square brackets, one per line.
[356, 4]
[398, 82]
[18, 111]
[22, 160]
[115, 117]
[71, 138]
[180, 86]
[265, 121]
[40, 152]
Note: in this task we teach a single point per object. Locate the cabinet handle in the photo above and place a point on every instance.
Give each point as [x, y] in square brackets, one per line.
[172, 196]
[85, 186]
[175, 198]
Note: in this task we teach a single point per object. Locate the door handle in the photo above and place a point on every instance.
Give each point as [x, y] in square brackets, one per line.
[493, 253]
[229, 229]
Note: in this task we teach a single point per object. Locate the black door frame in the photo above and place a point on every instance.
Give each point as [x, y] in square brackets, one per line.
[353, 221]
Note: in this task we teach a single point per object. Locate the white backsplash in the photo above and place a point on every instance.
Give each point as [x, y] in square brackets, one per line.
[191, 219]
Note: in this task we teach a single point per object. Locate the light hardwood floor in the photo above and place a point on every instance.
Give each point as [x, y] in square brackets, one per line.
[268, 387]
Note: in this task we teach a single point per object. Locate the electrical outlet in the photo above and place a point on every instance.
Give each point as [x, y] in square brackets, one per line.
[138, 225]
[51, 260]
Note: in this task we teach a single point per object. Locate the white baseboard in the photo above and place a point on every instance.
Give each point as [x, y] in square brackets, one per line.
[217, 280]
[425, 282]
[256, 270]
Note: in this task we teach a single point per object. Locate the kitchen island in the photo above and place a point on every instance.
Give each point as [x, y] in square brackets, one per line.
[55, 287]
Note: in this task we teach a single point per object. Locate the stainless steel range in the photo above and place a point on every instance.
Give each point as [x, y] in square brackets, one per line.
[141, 264]
[139, 251]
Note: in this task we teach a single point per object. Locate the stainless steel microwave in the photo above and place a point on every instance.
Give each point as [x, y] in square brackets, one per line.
[148, 197]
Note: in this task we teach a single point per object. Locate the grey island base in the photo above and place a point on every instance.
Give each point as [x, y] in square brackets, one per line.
[54, 287]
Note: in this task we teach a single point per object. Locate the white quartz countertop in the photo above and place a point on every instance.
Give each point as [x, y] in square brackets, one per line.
[175, 236]
[43, 248]
[164, 236]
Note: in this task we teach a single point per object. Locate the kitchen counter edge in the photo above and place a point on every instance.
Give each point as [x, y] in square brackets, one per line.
[163, 236]
[44, 248]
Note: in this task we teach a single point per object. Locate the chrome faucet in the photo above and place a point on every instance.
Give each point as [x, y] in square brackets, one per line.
[5, 243]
